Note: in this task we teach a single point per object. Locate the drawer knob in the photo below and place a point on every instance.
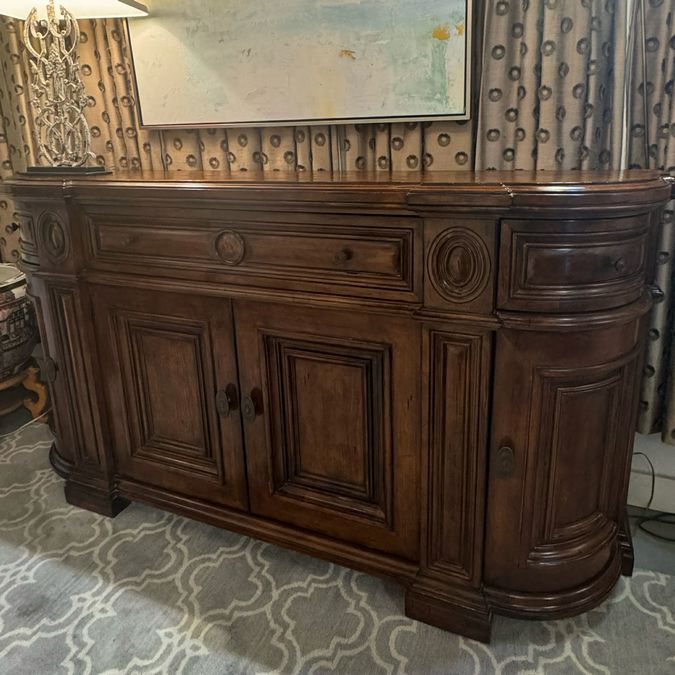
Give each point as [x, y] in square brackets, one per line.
[128, 241]
[621, 266]
[343, 256]
[230, 247]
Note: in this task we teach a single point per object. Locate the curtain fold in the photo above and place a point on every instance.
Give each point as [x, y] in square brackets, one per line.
[553, 81]
[16, 139]
[652, 145]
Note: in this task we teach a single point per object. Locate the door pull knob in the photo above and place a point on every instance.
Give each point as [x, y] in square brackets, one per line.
[226, 400]
[251, 407]
[505, 464]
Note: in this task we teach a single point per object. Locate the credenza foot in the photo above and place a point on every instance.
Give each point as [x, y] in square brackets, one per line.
[552, 605]
[462, 611]
[101, 500]
[626, 547]
[86, 492]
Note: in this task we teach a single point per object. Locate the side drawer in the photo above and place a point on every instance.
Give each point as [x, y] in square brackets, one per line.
[551, 266]
[371, 257]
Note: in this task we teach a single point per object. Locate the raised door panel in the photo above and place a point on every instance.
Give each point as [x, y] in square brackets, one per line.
[333, 447]
[564, 411]
[166, 358]
[328, 414]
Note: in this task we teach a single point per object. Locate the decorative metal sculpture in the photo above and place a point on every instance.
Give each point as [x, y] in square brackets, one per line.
[58, 95]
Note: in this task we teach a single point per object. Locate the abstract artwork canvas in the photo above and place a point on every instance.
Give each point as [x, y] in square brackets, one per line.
[258, 62]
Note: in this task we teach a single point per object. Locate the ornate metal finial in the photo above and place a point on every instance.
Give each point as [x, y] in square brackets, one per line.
[58, 96]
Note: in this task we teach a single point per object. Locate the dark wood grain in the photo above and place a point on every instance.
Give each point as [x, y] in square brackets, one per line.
[336, 446]
[448, 587]
[166, 358]
[565, 409]
[429, 376]
[579, 265]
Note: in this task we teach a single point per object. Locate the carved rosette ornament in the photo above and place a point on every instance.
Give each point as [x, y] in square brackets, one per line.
[53, 238]
[230, 247]
[459, 265]
[58, 95]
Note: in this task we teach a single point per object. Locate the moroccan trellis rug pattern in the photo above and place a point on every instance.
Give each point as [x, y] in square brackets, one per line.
[153, 593]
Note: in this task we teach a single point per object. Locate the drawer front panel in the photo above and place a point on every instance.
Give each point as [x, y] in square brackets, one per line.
[580, 266]
[359, 260]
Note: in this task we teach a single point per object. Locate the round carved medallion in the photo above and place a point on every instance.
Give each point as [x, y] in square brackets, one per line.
[230, 247]
[459, 265]
[53, 237]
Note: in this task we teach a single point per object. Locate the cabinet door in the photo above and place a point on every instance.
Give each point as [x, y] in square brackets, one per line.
[564, 414]
[169, 367]
[332, 422]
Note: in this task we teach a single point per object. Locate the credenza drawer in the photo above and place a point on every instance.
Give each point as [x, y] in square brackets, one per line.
[572, 265]
[354, 260]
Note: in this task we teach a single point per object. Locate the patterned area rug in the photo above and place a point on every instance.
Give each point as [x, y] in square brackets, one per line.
[150, 592]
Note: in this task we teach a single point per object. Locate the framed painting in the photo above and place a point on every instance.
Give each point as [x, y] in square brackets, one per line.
[216, 63]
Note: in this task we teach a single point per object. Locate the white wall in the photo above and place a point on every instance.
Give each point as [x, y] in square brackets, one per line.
[662, 457]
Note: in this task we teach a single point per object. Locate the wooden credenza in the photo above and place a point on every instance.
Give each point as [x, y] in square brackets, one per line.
[430, 377]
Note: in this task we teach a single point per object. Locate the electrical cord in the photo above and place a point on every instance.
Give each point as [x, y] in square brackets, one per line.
[648, 518]
[28, 424]
[667, 518]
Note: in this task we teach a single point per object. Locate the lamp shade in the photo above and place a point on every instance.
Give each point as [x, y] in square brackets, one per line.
[80, 9]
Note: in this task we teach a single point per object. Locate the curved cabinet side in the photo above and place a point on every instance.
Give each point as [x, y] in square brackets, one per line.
[61, 455]
[564, 408]
[50, 256]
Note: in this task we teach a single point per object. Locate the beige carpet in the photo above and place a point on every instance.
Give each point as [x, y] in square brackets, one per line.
[153, 593]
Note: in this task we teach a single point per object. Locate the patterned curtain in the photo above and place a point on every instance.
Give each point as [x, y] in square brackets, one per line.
[652, 145]
[16, 138]
[553, 85]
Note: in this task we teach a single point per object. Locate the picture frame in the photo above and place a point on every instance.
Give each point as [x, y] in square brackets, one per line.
[167, 98]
